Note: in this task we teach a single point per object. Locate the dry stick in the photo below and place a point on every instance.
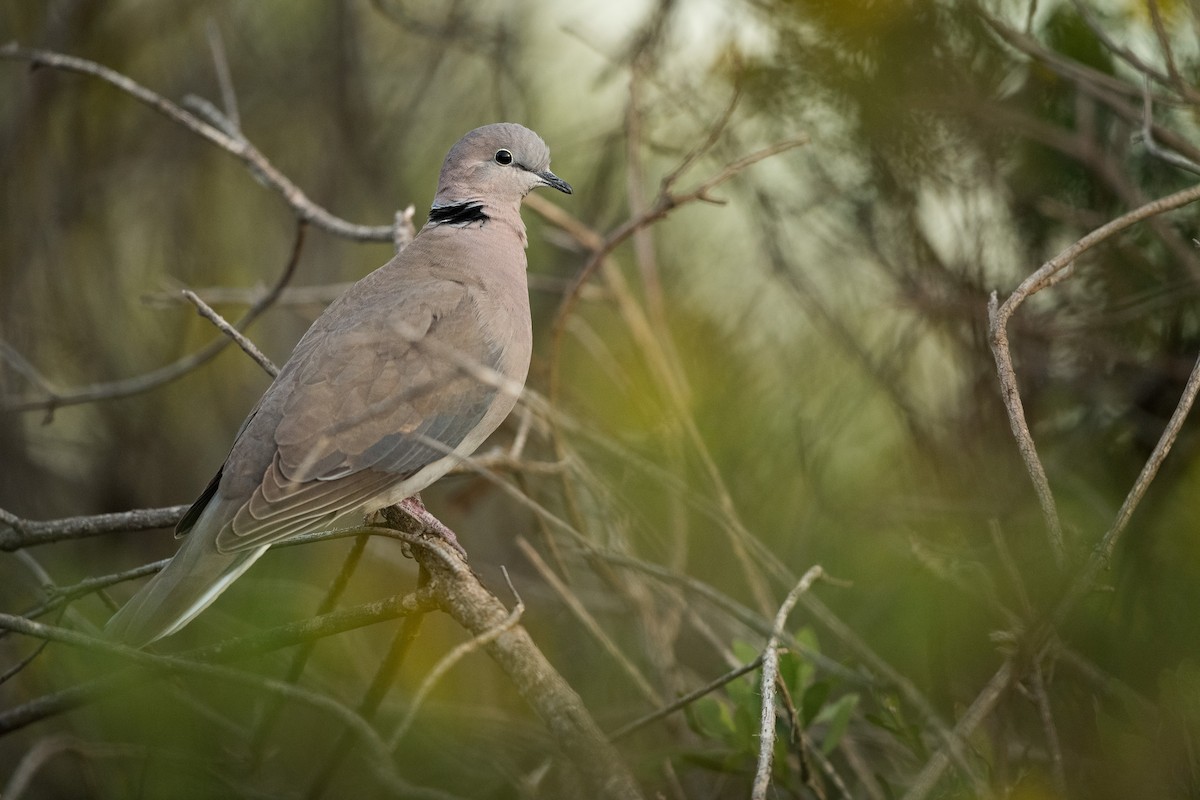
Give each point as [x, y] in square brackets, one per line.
[176, 369]
[380, 762]
[685, 700]
[887, 673]
[248, 347]
[1152, 147]
[464, 598]
[17, 533]
[306, 210]
[224, 76]
[535, 679]
[300, 657]
[1178, 83]
[998, 317]
[1103, 553]
[667, 200]
[64, 594]
[976, 713]
[589, 622]
[449, 660]
[22, 533]
[267, 641]
[770, 674]
[1053, 744]
[376, 691]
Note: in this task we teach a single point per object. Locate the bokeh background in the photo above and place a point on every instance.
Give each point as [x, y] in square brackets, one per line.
[796, 375]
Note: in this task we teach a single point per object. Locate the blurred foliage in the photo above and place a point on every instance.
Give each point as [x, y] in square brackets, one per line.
[808, 362]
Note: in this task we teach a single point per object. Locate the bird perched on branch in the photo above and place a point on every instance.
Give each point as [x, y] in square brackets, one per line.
[398, 380]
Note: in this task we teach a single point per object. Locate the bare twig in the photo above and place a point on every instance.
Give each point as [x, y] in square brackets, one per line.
[449, 660]
[248, 347]
[770, 674]
[1050, 730]
[336, 622]
[304, 208]
[1153, 148]
[165, 374]
[1178, 83]
[664, 204]
[1101, 556]
[380, 760]
[685, 700]
[29, 533]
[979, 710]
[1000, 313]
[224, 76]
[589, 622]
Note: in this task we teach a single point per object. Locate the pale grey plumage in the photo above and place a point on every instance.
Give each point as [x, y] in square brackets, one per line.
[375, 402]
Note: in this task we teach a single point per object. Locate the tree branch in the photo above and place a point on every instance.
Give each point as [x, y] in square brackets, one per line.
[236, 145]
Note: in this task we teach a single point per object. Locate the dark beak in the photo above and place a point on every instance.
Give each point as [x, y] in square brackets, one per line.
[553, 181]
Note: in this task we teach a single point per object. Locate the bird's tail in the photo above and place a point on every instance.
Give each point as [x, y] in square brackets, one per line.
[189, 583]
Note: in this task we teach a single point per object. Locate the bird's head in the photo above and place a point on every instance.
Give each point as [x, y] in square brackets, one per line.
[496, 164]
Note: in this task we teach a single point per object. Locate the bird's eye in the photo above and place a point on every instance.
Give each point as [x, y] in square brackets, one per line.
[504, 157]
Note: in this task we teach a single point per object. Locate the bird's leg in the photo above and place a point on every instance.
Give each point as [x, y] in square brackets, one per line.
[416, 509]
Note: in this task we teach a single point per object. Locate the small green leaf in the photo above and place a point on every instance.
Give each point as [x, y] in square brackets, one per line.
[838, 716]
[813, 701]
[744, 652]
[711, 718]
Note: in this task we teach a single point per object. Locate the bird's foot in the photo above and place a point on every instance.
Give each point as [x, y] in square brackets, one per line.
[416, 509]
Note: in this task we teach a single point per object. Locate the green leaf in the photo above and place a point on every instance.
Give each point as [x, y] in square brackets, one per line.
[838, 716]
[711, 718]
[744, 652]
[813, 701]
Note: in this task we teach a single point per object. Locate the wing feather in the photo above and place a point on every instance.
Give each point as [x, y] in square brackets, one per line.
[360, 411]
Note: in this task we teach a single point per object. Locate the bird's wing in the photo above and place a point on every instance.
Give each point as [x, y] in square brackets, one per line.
[370, 399]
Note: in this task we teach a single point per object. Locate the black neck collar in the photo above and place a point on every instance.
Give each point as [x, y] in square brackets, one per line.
[458, 214]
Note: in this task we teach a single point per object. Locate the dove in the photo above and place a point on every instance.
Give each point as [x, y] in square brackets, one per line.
[386, 391]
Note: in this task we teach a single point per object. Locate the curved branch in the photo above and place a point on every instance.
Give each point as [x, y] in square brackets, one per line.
[999, 315]
[236, 145]
[150, 380]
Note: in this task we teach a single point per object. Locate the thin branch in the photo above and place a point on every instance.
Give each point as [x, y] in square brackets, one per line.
[589, 622]
[685, 700]
[224, 76]
[248, 347]
[30, 533]
[999, 315]
[664, 204]
[1153, 148]
[359, 616]
[976, 713]
[770, 674]
[238, 146]
[380, 760]
[1101, 556]
[158, 377]
[444, 665]
[1178, 83]
[1050, 730]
